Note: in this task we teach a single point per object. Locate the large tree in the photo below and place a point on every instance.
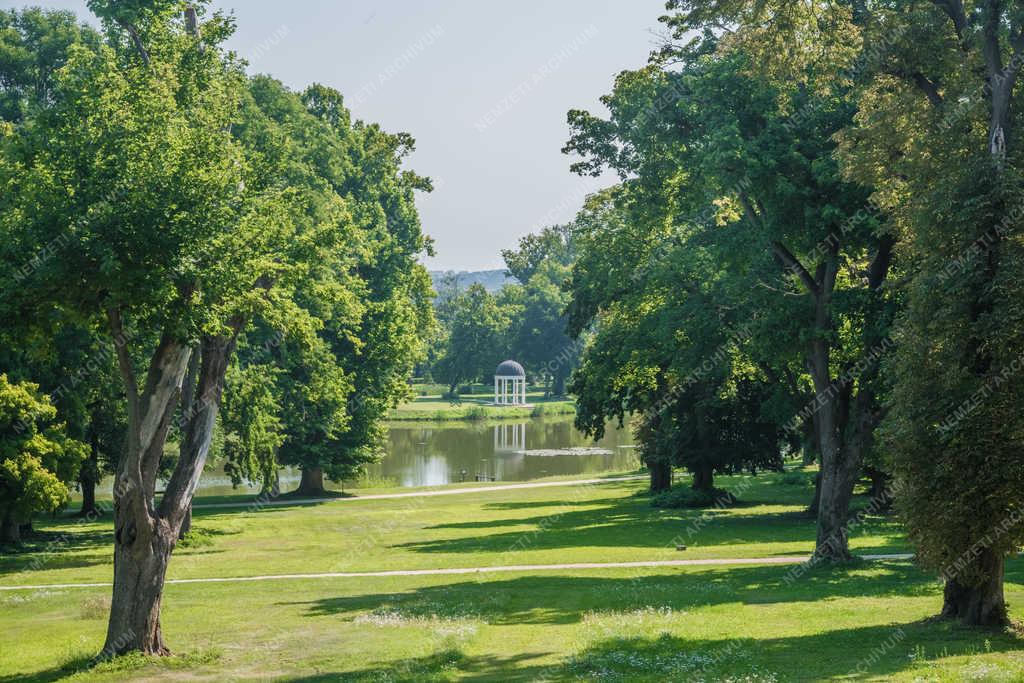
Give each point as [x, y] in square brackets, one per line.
[539, 335]
[338, 379]
[720, 171]
[936, 135]
[476, 337]
[169, 229]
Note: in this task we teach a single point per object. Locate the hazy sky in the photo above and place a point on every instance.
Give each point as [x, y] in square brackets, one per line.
[483, 86]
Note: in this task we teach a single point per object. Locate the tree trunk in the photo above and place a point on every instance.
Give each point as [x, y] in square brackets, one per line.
[812, 509]
[139, 571]
[880, 495]
[312, 482]
[10, 530]
[981, 605]
[661, 475]
[836, 490]
[87, 480]
[703, 478]
[559, 388]
[186, 524]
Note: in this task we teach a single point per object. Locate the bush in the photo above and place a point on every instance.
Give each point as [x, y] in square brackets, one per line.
[476, 413]
[687, 497]
[795, 479]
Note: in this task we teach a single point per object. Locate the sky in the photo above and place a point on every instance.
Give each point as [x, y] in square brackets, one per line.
[483, 86]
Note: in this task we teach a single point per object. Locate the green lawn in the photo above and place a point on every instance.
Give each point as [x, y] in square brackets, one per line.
[742, 623]
[479, 407]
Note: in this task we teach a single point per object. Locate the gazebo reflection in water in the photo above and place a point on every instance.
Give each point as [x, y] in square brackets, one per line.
[510, 438]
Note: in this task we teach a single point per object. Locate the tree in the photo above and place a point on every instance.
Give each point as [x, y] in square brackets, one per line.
[37, 459]
[717, 168]
[476, 338]
[954, 426]
[175, 231]
[338, 379]
[539, 336]
[935, 135]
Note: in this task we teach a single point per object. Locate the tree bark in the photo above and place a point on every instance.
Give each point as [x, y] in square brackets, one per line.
[978, 605]
[312, 482]
[89, 508]
[139, 571]
[87, 481]
[880, 495]
[10, 529]
[812, 509]
[186, 523]
[703, 478]
[143, 539]
[661, 475]
[559, 387]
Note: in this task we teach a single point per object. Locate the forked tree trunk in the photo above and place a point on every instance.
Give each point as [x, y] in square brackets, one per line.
[661, 475]
[312, 482]
[978, 605]
[143, 536]
[10, 529]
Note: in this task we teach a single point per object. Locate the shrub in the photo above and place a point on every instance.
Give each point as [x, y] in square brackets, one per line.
[687, 497]
[795, 479]
[476, 413]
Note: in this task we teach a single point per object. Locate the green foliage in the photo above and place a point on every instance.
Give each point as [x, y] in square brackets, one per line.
[37, 459]
[476, 340]
[688, 497]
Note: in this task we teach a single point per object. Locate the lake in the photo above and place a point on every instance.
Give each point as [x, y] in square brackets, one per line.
[434, 453]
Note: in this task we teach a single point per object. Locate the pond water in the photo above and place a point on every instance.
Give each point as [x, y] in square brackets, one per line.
[439, 453]
[434, 453]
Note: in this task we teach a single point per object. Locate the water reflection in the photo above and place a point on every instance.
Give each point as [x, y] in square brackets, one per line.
[429, 454]
[439, 453]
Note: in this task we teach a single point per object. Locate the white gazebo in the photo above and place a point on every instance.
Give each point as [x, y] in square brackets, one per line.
[510, 384]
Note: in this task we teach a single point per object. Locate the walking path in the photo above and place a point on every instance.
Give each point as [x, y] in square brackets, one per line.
[476, 570]
[257, 503]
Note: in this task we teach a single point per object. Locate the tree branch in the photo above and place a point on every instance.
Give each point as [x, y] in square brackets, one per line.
[955, 11]
[929, 88]
[792, 263]
[136, 40]
[124, 362]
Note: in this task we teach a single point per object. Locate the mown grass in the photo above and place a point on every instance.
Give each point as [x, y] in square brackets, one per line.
[868, 621]
[478, 407]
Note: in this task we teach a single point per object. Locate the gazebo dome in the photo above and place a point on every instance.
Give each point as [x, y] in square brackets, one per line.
[509, 368]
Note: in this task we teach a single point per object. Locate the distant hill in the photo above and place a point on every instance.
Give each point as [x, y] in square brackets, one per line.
[492, 280]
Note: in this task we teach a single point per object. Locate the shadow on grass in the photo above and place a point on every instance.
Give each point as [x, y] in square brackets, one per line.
[877, 650]
[630, 522]
[446, 665]
[881, 650]
[546, 599]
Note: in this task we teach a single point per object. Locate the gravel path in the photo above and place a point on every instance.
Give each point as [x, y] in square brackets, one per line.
[476, 570]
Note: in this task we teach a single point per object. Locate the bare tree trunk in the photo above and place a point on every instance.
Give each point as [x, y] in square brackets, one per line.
[982, 604]
[703, 478]
[10, 529]
[312, 482]
[661, 475]
[812, 509]
[139, 571]
[87, 480]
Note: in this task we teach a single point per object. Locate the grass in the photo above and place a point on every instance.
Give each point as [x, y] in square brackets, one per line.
[867, 621]
[478, 407]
